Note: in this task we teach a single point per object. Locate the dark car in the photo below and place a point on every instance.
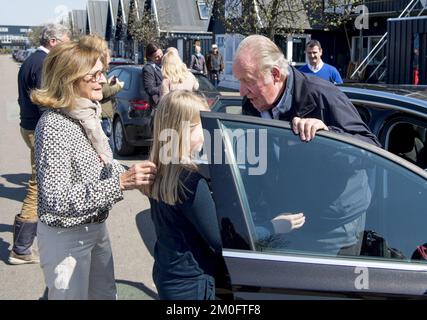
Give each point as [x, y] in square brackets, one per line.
[132, 111]
[118, 61]
[397, 115]
[366, 211]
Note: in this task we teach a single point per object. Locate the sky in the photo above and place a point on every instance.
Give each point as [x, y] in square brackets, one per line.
[36, 12]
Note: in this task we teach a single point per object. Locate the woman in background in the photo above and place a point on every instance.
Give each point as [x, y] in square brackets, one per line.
[176, 75]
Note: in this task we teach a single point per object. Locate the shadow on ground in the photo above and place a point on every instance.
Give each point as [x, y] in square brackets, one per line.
[20, 180]
[128, 290]
[4, 248]
[146, 229]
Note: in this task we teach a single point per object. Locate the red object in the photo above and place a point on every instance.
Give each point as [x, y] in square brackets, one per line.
[210, 101]
[138, 104]
[416, 78]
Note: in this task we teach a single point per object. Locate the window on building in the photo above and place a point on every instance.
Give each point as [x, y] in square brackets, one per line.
[4, 29]
[204, 10]
[359, 52]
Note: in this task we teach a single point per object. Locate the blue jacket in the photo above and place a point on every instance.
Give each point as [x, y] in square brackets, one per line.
[188, 247]
[313, 97]
[29, 78]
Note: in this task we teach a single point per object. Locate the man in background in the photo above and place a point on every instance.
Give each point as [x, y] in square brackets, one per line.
[215, 65]
[152, 72]
[316, 66]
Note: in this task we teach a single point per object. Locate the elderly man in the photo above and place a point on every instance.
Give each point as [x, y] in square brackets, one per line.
[273, 89]
[29, 78]
[316, 66]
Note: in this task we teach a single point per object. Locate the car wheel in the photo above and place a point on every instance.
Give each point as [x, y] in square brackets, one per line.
[121, 146]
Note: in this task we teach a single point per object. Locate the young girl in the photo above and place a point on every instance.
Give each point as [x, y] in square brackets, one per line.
[188, 245]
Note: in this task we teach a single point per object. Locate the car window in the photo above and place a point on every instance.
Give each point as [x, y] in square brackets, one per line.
[205, 84]
[125, 76]
[231, 106]
[114, 72]
[356, 203]
[407, 139]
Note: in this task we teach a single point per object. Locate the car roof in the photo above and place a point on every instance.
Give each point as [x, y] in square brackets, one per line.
[403, 98]
[414, 91]
[128, 67]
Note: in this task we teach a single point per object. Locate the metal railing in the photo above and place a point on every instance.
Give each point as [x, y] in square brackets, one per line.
[380, 45]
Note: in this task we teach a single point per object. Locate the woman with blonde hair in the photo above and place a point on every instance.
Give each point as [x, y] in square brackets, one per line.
[76, 188]
[176, 75]
[188, 246]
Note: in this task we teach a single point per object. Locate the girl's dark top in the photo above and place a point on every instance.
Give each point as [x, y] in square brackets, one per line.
[188, 242]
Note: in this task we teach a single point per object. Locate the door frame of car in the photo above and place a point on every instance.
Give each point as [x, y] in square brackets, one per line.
[256, 275]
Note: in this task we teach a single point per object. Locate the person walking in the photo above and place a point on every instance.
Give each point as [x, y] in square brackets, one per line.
[198, 61]
[316, 66]
[76, 188]
[215, 65]
[29, 78]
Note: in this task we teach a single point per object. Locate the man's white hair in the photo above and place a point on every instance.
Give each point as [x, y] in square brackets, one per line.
[53, 31]
[265, 53]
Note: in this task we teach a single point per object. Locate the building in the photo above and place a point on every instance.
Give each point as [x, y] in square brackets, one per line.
[178, 23]
[14, 37]
[389, 50]
[78, 22]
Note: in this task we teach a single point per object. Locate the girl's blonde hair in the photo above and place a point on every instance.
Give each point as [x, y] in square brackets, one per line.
[175, 110]
[63, 68]
[173, 68]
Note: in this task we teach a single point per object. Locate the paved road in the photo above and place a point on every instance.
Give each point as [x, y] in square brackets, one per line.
[130, 226]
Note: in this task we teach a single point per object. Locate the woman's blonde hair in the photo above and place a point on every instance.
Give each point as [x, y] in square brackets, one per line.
[173, 68]
[176, 112]
[63, 68]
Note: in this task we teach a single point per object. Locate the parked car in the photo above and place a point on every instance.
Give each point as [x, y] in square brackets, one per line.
[397, 115]
[365, 230]
[132, 111]
[117, 61]
[22, 55]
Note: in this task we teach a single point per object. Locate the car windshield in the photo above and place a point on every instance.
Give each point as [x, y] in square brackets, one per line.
[204, 84]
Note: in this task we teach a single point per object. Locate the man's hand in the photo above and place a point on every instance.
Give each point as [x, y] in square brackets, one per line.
[137, 176]
[307, 128]
[287, 222]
